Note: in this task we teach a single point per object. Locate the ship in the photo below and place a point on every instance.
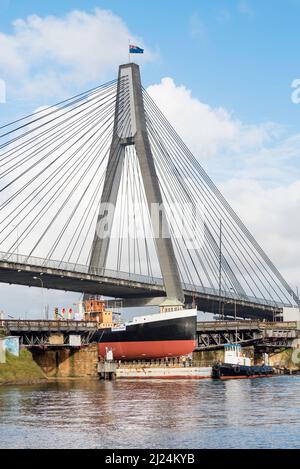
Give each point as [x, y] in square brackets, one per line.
[236, 365]
[169, 333]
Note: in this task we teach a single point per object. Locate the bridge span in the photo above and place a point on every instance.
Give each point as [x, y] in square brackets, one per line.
[133, 289]
[270, 336]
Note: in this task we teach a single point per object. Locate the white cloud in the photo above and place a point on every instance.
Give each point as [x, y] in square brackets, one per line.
[205, 129]
[256, 167]
[271, 213]
[50, 55]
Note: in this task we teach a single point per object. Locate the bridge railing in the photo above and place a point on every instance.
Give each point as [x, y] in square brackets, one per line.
[245, 324]
[41, 324]
[229, 295]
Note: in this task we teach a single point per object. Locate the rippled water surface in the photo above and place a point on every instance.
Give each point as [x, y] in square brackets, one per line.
[261, 413]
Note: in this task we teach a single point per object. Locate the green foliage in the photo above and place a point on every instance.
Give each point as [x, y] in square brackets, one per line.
[22, 369]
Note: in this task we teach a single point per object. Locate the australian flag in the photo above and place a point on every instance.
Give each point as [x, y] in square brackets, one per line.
[135, 49]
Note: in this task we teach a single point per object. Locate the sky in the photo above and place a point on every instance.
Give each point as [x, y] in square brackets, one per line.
[222, 72]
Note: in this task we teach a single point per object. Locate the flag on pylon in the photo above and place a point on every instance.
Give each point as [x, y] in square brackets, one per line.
[135, 49]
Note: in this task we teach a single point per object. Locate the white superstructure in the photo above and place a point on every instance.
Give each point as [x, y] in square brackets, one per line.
[182, 313]
[234, 356]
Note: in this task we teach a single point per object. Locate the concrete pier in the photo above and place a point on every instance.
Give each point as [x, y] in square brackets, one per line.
[68, 363]
[107, 370]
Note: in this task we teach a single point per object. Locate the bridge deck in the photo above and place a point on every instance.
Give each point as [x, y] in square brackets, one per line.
[21, 325]
[127, 286]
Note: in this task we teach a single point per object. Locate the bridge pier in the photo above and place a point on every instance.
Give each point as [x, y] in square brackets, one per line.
[61, 362]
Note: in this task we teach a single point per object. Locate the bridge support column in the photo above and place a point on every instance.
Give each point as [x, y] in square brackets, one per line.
[68, 363]
[130, 99]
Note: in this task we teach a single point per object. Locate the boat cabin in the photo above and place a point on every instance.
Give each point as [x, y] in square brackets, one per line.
[234, 356]
[94, 310]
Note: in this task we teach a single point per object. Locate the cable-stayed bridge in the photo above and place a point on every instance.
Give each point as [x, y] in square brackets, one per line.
[99, 195]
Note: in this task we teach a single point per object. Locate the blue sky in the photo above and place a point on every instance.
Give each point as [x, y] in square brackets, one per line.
[241, 55]
[220, 70]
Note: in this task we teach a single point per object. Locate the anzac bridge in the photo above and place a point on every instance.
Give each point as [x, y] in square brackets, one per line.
[99, 195]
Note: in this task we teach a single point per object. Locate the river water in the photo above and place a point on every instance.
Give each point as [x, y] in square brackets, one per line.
[259, 413]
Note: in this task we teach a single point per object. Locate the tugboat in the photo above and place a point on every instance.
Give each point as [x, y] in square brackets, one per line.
[236, 365]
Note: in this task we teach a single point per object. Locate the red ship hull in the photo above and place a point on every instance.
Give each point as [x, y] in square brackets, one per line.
[148, 350]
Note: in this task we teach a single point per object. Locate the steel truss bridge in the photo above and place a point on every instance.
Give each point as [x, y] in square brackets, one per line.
[267, 336]
[37, 333]
[99, 195]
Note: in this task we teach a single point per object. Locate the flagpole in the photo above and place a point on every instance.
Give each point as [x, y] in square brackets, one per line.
[129, 51]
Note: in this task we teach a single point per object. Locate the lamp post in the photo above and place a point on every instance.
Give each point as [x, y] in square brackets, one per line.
[42, 285]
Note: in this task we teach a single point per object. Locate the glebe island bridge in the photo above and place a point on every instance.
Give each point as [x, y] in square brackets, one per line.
[78, 183]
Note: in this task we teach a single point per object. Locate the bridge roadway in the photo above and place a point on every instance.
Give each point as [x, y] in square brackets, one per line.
[211, 335]
[133, 289]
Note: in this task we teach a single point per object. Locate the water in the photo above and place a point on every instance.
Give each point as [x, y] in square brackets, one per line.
[261, 413]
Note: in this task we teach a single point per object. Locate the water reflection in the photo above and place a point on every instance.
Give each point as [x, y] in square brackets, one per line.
[157, 414]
